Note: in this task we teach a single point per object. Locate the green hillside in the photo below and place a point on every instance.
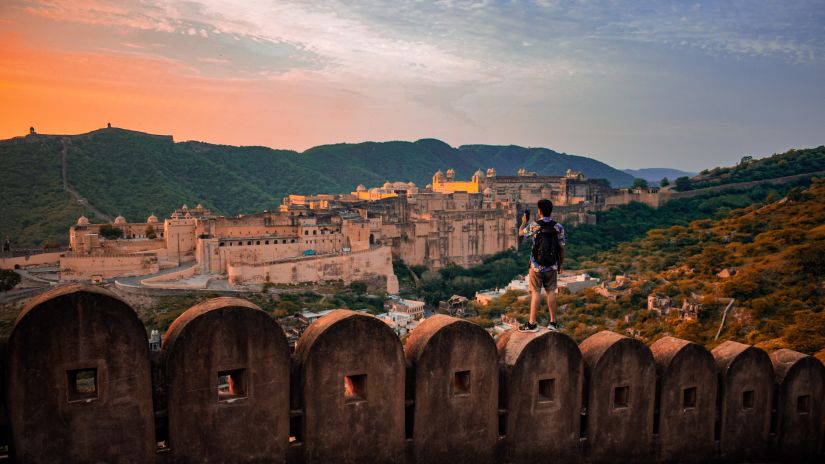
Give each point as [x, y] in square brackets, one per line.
[778, 251]
[35, 209]
[749, 169]
[136, 174]
[775, 247]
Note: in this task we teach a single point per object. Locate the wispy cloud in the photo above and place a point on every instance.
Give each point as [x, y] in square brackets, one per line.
[466, 40]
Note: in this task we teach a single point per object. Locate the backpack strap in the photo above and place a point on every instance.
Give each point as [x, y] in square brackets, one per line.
[548, 226]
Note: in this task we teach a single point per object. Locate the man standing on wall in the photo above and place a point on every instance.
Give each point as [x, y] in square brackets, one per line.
[546, 259]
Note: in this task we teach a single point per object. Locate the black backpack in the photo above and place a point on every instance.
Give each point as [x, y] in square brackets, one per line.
[546, 248]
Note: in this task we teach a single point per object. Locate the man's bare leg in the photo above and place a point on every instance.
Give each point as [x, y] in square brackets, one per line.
[551, 305]
[535, 301]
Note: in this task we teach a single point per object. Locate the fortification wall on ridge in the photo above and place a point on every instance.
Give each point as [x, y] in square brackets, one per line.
[81, 385]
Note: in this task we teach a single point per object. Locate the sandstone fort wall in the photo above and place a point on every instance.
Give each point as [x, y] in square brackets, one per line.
[81, 385]
[347, 267]
[30, 260]
[106, 266]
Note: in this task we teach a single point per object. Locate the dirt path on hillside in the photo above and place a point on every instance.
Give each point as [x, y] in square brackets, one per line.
[67, 187]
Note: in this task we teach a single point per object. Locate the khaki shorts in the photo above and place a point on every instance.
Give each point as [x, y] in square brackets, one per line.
[538, 280]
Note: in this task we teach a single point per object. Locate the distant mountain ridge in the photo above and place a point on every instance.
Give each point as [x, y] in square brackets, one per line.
[657, 174]
[129, 173]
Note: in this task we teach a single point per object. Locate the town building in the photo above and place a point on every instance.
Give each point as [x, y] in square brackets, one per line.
[485, 297]
[574, 283]
[401, 323]
[612, 290]
[456, 305]
[691, 307]
[659, 303]
[413, 308]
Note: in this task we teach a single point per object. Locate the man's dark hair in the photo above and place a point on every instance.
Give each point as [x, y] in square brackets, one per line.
[546, 207]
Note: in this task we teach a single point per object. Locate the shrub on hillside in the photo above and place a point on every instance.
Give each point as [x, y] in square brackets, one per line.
[8, 279]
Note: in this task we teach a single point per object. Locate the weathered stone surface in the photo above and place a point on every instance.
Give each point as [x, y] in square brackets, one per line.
[541, 389]
[687, 400]
[746, 389]
[346, 386]
[352, 377]
[621, 379]
[218, 336]
[800, 409]
[456, 391]
[79, 380]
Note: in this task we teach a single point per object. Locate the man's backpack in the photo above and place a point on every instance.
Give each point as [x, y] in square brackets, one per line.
[546, 249]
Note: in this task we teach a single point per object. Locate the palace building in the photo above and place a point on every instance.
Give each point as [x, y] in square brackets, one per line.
[347, 237]
[245, 250]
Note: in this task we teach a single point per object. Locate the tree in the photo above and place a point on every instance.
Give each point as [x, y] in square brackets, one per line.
[664, 182]
[811, 258]
[150, 232]
[808, 334]
[639, 184]
[358, 287]
[682, 183]
[110, 232]
[8, 279]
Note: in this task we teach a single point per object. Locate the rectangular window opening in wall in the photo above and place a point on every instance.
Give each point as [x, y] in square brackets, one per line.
[689, 398]
[409, 420]
[355, 388]
[803, 404]
[295, 433]
[502, 424]
[621, 396]
[231, 385]
[461, 383]
[82, 384]
[747, 399]
[547, 390]
[162, 431]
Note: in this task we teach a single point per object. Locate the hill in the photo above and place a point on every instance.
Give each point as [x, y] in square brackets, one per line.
[657, 174]
[34, 203]
[777, 251]
[790, 163]
[136, 174]
[773, 252]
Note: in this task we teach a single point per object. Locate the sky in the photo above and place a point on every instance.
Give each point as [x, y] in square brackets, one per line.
[635, 84]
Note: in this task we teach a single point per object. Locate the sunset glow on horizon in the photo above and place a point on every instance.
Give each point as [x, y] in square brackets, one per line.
[666, 84]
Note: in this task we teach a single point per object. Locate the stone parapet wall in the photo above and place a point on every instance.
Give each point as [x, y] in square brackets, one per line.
[82, 386]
